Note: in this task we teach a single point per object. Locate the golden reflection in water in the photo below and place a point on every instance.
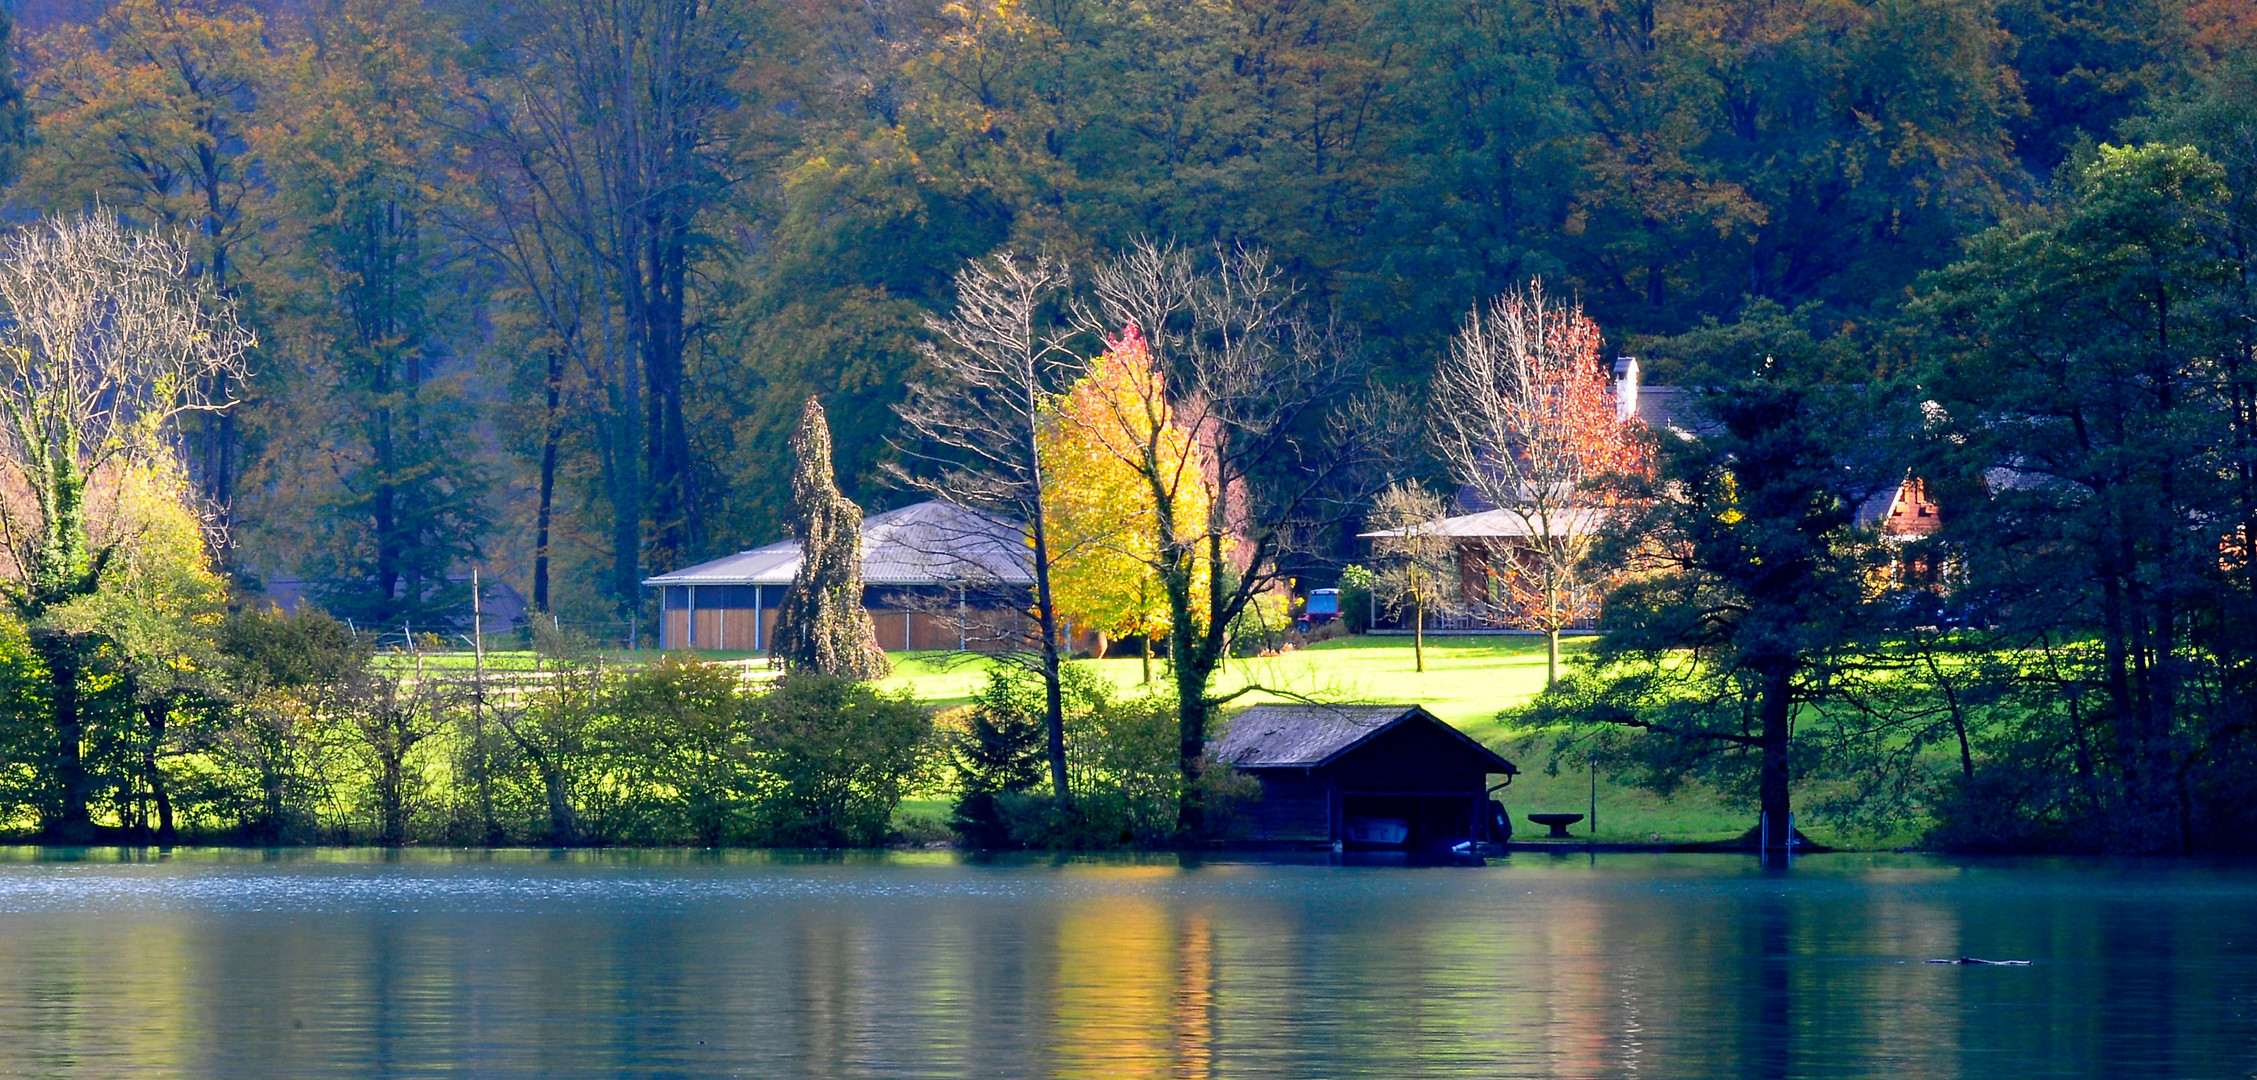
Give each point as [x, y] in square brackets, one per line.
[1195, 995]
[1134, 989]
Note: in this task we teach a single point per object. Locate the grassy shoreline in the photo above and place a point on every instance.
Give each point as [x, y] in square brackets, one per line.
[1468, 680]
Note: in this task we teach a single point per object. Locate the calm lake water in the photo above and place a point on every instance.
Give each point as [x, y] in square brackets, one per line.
[230, 964]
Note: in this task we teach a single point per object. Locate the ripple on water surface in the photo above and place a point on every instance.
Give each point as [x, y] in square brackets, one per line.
[226, 964]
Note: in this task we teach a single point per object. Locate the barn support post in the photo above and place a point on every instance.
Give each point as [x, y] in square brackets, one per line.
[758, 645]
[693, 617]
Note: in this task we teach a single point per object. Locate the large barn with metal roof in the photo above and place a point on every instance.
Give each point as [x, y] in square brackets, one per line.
[934, 576]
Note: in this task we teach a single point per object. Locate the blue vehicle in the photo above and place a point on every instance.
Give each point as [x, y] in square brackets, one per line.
[1324, 606]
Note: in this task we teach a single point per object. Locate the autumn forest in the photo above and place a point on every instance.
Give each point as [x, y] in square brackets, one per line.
[544, 289]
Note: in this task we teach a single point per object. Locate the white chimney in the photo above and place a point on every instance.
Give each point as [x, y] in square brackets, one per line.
[1626, 388]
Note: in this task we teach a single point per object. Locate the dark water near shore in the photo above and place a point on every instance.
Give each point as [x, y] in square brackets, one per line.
[231, 964]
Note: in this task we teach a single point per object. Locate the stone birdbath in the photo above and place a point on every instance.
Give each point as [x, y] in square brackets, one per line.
[1558, 823]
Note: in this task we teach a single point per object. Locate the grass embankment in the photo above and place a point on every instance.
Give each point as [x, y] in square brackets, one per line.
[1467, 682]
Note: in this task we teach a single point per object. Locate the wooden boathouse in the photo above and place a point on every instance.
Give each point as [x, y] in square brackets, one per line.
[1363, 776]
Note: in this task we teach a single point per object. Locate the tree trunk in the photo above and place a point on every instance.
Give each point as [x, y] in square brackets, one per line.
[1191, 751]
[159, 716]
[1958, 716]
[1193, 660]
[1551, 657]
[564, 824]
[1418, 636]
[1777, 712]
[58, 651]
[552, 433]
[391, 801]
[1046, 614]
[1147, 659]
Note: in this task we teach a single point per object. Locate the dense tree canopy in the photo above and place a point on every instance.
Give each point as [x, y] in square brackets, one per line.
[544, 285]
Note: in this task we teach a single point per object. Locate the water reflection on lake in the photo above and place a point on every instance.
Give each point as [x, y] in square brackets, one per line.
[227, 964]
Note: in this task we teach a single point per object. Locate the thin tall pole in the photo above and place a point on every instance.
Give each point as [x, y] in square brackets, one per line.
[478, 704]
[1594, 763]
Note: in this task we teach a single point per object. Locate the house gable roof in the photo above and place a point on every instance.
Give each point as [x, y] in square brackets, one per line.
[1570, 521]
[1312, 736]
[927, 543]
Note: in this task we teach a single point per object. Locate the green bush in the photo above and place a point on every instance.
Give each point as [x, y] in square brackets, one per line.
[1120, 766]
[838, 756]
[684, 761]
[1355, 598]
[999, 754]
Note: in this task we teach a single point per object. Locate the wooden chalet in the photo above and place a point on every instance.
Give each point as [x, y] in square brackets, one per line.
[1363, 776]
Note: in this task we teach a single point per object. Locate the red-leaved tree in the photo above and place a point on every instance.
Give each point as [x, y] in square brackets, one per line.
[1524, 413]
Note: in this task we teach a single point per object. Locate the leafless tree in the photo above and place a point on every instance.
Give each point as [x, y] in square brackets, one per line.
[992, 366]
[105, 342]
[1521, 410]
[1290, 448]
[1418, 568]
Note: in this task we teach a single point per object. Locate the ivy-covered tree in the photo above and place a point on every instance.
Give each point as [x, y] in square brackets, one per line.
[105, 342]
[821, 626]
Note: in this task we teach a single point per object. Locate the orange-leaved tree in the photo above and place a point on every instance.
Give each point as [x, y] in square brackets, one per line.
[1524, 413]
[1106, 436]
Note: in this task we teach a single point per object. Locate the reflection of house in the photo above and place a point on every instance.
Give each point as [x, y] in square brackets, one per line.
[934, 576]
[1361, 775]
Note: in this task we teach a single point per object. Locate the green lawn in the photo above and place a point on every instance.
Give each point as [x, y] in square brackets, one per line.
[1467, 679]
[1466, 682]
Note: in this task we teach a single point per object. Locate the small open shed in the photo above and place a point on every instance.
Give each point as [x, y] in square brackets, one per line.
[1378, 776]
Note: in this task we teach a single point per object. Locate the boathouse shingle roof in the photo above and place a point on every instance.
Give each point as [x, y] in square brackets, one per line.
[1311, 736]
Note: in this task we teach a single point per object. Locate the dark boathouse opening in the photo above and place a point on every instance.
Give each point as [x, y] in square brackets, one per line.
[1364, 776]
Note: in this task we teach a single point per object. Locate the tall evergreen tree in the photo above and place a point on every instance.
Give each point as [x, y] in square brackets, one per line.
[1732, 656]
[821, 626]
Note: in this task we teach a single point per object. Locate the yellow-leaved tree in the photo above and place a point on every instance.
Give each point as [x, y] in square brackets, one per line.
[1104, 515]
